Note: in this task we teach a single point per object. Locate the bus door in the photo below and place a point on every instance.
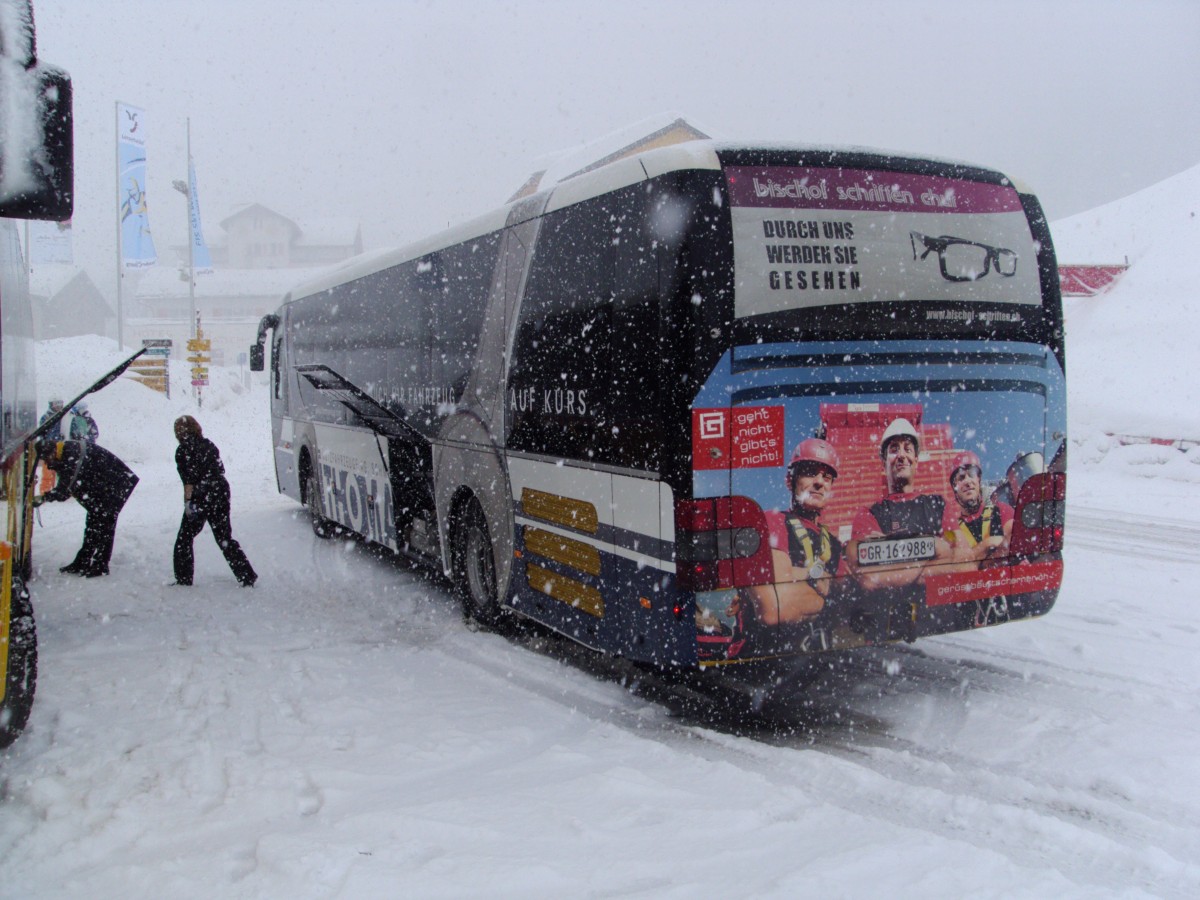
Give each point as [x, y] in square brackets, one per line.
[283, 423]
[385, 513]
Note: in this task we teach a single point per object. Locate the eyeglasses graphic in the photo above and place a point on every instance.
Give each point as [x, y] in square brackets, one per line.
[963, 260]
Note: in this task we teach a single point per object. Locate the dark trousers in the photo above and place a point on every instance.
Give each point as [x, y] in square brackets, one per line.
[216, 514]
[98, 532]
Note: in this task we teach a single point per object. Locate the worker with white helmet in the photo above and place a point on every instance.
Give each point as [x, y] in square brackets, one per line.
[894, 539]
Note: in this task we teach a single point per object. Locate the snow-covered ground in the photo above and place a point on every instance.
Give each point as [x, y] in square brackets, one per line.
[338, 731]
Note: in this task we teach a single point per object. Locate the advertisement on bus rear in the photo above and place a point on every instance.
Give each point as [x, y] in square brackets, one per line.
[808, 237]
[875, 492]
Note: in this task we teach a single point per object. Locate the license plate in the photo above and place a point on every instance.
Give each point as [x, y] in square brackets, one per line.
[895, 550]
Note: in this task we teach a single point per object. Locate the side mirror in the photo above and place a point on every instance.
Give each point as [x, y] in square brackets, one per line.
[268, 322]
[37, 151]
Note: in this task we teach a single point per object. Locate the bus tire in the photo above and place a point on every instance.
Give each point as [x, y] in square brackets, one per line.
[475, 566]
[22, 667]
[321, 526]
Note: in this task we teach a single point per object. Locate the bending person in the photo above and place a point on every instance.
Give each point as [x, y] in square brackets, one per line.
[101, 483]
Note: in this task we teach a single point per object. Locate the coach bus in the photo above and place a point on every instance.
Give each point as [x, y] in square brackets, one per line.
[703, 406]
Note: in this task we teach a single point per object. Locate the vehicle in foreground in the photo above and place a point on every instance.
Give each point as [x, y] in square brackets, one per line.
[36, 182]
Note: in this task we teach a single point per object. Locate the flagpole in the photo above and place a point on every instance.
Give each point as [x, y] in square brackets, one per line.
[191, 241]
[191, 253]
[120, 249]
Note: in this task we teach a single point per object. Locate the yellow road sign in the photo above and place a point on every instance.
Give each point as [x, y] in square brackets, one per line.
[199, 344]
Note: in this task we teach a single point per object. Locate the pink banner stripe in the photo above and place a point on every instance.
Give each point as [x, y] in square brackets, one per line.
[787, 187]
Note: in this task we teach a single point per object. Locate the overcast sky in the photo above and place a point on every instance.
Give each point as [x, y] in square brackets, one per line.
[409, 116]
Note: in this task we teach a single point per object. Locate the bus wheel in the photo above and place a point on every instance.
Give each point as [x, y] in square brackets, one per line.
[475, 566]
[321, 526]
[22, 667]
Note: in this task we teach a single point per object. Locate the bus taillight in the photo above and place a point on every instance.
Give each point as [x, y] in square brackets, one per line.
[1040, 514]
[721, 542]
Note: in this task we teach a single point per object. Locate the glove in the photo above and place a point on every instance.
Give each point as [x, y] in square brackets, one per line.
[191, 510]
[39, 500]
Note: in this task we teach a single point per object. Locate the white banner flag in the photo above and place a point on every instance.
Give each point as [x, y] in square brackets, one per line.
[137, 245]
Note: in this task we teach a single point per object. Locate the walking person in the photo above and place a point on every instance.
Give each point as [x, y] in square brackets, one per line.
[101, 483]
[205, 499]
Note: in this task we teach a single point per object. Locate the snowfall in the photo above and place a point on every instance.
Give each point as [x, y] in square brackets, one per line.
[340, 731]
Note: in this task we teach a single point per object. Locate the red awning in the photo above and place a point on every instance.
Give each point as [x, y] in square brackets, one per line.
[1088, 281]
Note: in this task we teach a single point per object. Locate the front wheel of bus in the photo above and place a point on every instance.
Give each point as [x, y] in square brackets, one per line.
[321, 526]
[475, 567]
[22, 667]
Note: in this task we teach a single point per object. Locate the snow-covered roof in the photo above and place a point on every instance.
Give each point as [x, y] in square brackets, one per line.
[257, 209]
[648, 133]
[47, 280]
[339, 231]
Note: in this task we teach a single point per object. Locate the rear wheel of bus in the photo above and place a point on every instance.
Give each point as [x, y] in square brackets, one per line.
[475, 566]
[22, 667]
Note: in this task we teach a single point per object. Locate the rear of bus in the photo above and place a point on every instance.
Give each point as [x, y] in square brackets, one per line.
[878, 438]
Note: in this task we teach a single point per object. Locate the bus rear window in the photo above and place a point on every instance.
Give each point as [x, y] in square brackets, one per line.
[808, 236]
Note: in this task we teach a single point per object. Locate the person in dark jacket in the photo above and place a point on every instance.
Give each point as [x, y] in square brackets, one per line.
[101, 483]
[205, 499]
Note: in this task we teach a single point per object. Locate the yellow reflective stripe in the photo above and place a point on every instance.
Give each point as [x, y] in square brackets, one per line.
[575, 554]
[566, 590]
[805, 540]
[565, 511]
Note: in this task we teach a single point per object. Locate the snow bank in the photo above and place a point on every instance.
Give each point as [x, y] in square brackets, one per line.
[135, 421]
[1129, 351]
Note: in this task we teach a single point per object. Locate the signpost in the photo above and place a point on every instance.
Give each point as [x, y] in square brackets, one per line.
[151, 368]
[199, 348]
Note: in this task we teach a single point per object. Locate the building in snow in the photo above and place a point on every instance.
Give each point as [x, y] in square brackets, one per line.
[259, 255]
[67, 303]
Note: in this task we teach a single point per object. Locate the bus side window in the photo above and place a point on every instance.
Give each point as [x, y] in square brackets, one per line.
[315, 331]
[396, 295]
[431, 291]
[636, 335]
[560, 382]
[468, 275]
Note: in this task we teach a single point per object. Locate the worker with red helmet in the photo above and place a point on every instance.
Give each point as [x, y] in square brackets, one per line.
[805, 554]
[983, 528]
[893, 540]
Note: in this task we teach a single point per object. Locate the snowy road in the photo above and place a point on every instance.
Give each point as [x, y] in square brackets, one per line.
[339, 732]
